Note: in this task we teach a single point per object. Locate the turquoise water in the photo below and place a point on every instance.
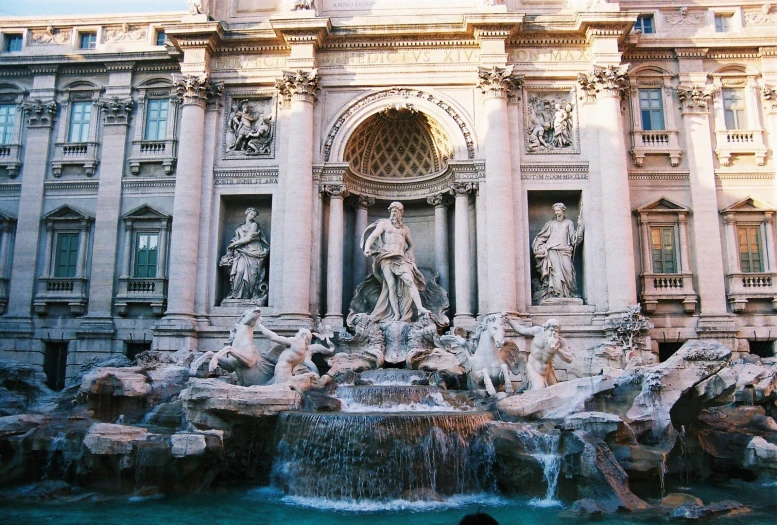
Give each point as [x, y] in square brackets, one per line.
[269, 506]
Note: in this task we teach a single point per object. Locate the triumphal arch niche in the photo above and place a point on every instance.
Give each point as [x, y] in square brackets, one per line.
[412, 146]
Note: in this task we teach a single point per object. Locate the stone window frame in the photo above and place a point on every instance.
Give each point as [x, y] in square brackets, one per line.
[673, 287]
[733, 13]
[7, 237]
[83, 154]
[11, 154]
[655, 15]
[4, 39]
[144, 290]
[730, 142]
[76, 38]
[743, 286]
[155, 151]
[69, 290]
[656, 142]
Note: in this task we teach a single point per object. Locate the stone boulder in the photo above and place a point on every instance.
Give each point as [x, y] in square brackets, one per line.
[212, 403]
[692, 511]
[109, 439]
[598, 424]
[555, 402]
[22, 386]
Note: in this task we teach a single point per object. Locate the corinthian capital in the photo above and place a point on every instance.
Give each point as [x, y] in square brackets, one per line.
[769, 97]
[498, 82]
[116, 110]
[40, 112]
[694, 98]
[463, 188]
[197, 90]
[611, 81]
[299, 85]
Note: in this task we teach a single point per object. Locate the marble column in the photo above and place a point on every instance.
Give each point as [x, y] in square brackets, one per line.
[40, 119]
[769, 99]
[496, 84]
[194, 92]
[359, 259]
[334, 255]
[607, 86]
[705, 231]
[116, 113]
[462, 255]
[299, 89]
[441, 264]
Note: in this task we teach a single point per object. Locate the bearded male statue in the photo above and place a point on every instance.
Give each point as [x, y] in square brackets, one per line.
[394, 267]
[546, 344]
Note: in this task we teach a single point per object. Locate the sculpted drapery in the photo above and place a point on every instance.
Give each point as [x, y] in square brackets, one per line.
[554, 248]
[247, 255]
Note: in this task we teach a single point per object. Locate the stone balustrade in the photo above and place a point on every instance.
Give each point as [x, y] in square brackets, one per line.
[668, 287]
[729, 142]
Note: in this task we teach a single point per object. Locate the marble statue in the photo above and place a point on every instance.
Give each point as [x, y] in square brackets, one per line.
[297, 356]
[302, 5]
[394, 266]
[246, 257]
[195, 7]
[554, 252]
[546, 344]
[487, 356]
[240, 355]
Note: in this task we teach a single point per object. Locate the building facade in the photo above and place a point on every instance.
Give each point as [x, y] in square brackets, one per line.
[141, 155]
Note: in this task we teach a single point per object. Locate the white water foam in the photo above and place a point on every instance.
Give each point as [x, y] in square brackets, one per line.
[367, 506]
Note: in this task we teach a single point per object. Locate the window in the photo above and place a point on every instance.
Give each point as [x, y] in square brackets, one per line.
[645, 24]
[749, 240]
[722, 23]
[651, 109]
[13, 43]
[80, 118]
[156, 119]
[87, 41]
[66, 258]
[7, 118]
[734, 108]
[160, 38]
[662, 241]
[146, 255]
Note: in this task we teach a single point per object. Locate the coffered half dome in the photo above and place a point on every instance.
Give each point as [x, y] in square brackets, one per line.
[398, 142]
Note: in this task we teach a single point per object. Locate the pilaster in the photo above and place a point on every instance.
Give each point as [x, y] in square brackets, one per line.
[714, 321]
[606, 86]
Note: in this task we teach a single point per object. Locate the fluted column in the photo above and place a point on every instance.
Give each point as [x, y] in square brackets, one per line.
[607, 86]
[334, 254]
[462, 256]
[299, 88]
[441, 264]
[496, 84]
[193, 91]
[359, 259]
[705, 231]
[40, 119]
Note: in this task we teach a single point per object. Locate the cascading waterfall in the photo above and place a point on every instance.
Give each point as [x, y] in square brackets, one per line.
[397, 452]
[545, 451]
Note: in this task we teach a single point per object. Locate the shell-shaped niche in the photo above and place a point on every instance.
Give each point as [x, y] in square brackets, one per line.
[398, 142]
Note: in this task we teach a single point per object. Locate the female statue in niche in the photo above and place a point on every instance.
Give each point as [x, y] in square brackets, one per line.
[246, 256]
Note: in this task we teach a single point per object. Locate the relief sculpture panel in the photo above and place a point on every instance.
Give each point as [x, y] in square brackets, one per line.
[249, 130]
[550, 117]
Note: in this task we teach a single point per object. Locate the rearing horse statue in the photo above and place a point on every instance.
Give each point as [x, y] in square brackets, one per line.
[241, 355]
[489, 357]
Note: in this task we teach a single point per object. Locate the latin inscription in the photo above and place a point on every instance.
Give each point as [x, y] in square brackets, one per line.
[548, 55]
[382, 5]
[400, 56]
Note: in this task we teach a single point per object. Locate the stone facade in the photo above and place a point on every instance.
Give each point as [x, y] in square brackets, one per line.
[131, 146]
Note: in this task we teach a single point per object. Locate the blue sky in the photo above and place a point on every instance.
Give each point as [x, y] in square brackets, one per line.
[87, 7]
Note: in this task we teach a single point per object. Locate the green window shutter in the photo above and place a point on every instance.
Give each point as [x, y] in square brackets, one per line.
[66, 258]
[146, 255]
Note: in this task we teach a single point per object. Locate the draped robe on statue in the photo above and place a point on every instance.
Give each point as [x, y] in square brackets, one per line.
[399, 264]
[553, 248]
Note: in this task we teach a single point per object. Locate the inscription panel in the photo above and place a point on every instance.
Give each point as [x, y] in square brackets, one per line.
[369, 6]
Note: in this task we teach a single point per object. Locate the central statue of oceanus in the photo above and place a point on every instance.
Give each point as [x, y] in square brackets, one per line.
[394, 266]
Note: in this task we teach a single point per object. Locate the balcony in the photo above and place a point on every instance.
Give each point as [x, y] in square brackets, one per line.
[11, 158]
[69, 290]
[745, 286]
[82, 154]
[665, 142]
[740, 142]
[134, 290]
[668, 287]
[153, 152]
